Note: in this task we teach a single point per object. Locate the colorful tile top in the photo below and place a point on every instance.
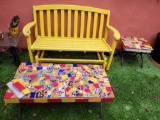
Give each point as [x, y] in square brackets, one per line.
[135, 43]
[59, 83]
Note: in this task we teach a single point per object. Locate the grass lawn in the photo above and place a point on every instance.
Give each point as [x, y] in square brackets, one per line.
[136, 89]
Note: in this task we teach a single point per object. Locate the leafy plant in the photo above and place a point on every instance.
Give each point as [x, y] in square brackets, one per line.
[15, 21]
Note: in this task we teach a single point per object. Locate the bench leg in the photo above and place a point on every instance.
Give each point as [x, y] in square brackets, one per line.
[31, 56]
[109, 60]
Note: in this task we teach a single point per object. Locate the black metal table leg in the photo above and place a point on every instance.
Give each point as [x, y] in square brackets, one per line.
[14, 53]
[19, 112]
[100, 110]
[141, 59]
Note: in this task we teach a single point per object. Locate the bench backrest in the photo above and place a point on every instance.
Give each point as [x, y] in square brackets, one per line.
[70, 21]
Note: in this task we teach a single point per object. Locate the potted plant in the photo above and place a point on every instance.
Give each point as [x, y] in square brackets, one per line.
[13, 28]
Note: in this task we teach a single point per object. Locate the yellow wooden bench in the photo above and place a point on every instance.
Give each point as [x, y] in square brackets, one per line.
[71, 28]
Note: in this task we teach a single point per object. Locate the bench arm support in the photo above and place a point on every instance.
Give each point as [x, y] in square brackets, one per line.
[27, 34]
[116, 34]
[26, 29]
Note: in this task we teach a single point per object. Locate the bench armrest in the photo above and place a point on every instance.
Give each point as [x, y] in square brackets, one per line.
[26, 29]
[116, 34]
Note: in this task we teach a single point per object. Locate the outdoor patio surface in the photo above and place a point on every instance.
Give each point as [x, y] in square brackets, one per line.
[136, 92]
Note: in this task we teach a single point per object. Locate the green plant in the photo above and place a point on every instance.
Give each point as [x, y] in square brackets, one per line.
[15, 21]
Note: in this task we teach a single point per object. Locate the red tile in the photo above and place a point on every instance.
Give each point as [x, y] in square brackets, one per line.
[54, 100]
[26, 100]
[81, 100]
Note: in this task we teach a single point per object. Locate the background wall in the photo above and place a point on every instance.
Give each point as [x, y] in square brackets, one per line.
[131, 17]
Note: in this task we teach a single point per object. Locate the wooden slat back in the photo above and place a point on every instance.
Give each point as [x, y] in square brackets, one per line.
[70, 21]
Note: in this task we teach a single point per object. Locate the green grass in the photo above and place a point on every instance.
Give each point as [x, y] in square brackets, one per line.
[135, 89]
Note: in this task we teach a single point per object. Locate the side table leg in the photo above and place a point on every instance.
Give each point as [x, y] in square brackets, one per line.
[141, 60]
[122, 58]
[16, 59]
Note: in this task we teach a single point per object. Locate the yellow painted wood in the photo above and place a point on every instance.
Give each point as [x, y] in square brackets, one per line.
[115, 32]
[70, 60]
[70, 7]
[42, 54]
[99, 57]
[42, 23]
[49, 23]
[36, 59]
[88, 25]
[69, 24]
[39, 100]
[62, 23]
[95, 25]
[68, 100]
[71, 43]
[82, 24]
[38, 52]
[35, 20]
[101, 26]
[11, 101]
[26, 29]
[105, 60]
[94, 100]
[31, 56]
[55, 23]
[75, 23]
[68, 44]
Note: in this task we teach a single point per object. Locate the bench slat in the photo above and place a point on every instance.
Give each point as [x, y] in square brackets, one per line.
[82, 24]
[71, 45]
[101, 26]
[55, 23]
[75, 23]
[95, 25]
[69, 24]
[42, 23]
[88, 25]
[49, 23]
[62, 23]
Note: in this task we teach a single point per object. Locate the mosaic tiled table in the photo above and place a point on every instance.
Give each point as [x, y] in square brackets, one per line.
[47, 83]
[135, 45]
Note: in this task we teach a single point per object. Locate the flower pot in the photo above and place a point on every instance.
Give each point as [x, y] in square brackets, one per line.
[13, 31]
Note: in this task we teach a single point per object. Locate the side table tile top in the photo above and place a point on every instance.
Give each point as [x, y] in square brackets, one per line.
[8, 40]
[44, 82]
[135, 44]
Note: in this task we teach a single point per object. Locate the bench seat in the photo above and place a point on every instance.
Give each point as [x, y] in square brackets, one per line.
[70, 44]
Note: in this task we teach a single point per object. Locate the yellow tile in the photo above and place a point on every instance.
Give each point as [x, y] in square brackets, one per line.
[11, 101]
[60, 84]
[94, 100]
[104, 74]
[57, 66]
[26, 91]
[40, 100]
[68, 100]
[35, 83]
[16, 80]
[25, 83]
[46, 82]
[64, 77]
[93, 79]
[34, 68]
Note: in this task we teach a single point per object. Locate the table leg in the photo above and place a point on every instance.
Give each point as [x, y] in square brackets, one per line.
[19, 112]
[14, 53]
[141, 58]
[100, 115]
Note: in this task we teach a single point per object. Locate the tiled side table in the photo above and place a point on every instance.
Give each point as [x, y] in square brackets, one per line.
[135, 45]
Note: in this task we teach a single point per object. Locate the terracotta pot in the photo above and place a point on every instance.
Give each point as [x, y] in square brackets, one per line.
[13, 31]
